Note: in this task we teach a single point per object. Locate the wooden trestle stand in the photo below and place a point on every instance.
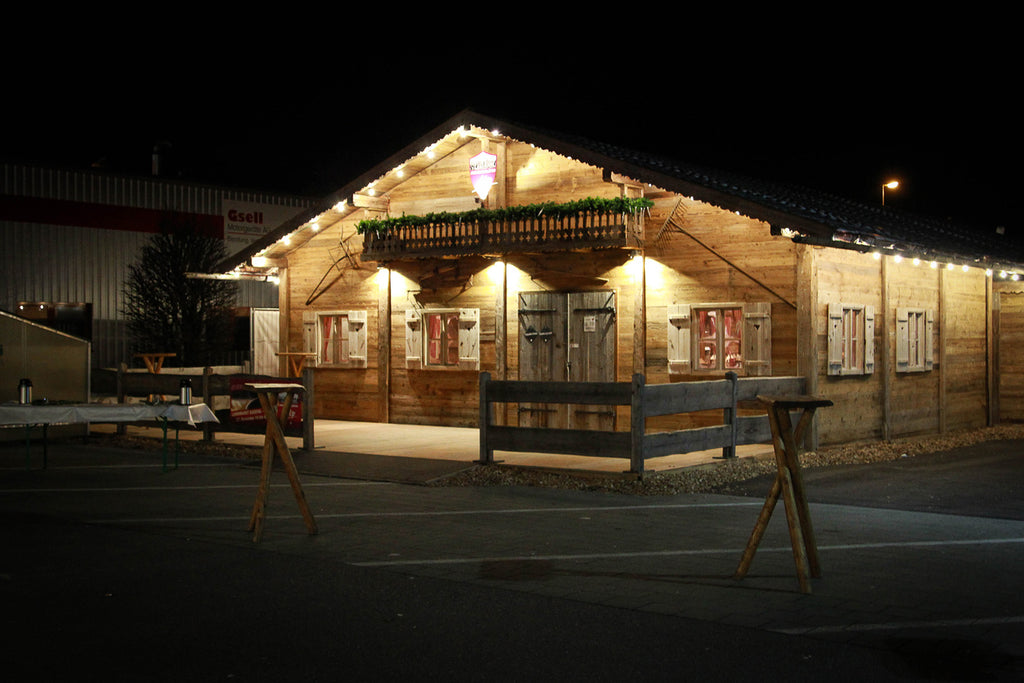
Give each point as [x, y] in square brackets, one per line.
[789, 484]
[275, 442]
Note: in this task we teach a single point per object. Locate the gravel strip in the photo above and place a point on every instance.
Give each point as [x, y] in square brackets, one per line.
[717, 476]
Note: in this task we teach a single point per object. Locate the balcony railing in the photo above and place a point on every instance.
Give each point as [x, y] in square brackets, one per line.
[586, 230]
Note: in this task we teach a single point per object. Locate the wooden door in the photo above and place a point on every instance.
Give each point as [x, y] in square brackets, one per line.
[591, 356]
[567, 337]
[542, 330]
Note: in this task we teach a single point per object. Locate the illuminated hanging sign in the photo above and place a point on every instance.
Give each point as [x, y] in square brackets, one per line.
[482, 169]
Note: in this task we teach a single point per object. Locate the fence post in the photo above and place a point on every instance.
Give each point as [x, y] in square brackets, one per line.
[208, 400]
[637, 425]
[486, 454]
[308, 438]
[121, 392]
[729, 417]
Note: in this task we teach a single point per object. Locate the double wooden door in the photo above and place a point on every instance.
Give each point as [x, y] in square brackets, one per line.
[567, 336]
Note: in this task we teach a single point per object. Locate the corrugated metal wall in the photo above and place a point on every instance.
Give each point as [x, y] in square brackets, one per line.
[67, 263]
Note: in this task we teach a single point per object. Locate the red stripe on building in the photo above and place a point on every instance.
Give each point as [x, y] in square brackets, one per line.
[104, 216]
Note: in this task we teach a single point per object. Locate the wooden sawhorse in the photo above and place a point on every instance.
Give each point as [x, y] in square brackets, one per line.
[789, 484]
[274, 442]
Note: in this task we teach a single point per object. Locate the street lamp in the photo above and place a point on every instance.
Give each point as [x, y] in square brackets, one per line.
[892, 185]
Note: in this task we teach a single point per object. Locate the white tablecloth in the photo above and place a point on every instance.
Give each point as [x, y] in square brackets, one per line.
[17, 414]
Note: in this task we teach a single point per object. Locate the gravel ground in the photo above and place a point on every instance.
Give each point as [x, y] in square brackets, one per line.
[718, 476]
[710, 478]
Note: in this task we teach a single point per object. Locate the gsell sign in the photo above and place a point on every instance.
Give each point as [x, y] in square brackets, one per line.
[254, 217]
[245, 222]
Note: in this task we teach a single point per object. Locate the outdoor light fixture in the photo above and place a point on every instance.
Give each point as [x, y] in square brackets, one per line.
[892, 185]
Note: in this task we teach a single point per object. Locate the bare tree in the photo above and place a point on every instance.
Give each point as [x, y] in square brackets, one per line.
[170, 312]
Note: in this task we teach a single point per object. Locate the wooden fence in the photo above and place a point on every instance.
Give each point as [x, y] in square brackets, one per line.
[205, 385]
[644, 401]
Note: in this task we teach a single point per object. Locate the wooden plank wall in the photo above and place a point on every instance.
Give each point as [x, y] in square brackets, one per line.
[887, 404]
[347, 284]
[962, 321]
[909, 286]
[697, 254]
[1009, 366]
[857, 413]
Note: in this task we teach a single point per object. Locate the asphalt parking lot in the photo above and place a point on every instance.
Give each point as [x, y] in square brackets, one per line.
[114, 569]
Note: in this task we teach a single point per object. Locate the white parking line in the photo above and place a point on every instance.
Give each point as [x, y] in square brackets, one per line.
[434, 513]
[675, 553]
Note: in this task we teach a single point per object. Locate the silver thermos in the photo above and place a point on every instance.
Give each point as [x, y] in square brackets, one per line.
[185, 392]
[25, 391]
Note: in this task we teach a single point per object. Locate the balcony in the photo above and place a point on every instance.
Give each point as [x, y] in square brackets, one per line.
[503, 232]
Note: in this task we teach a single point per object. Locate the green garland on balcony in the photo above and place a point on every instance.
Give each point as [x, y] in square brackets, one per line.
[623, 205]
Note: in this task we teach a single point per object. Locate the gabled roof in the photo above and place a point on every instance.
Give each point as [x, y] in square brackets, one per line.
[809, 215]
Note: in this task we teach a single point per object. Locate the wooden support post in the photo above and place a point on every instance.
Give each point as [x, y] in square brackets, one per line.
[274, 442]
[789, 485]
[638, 425]
[729, 416]
[486, 453]
[308, 401]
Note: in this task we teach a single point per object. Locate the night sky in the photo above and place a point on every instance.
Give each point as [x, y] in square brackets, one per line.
[938, 117]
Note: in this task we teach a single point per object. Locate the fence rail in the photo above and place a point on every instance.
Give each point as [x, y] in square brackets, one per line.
[644, 401]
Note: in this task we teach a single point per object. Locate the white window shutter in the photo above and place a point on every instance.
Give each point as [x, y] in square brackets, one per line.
[413, 339]
[309, 321]
[929, 350]
[902, 339]
[679, 338]
[835, 339]
[357, 335]
[757, 339]
[469, 338]
[869, 340]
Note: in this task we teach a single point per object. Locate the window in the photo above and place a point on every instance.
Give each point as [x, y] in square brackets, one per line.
[851, 339]
[913, 340]
[338, 338]
[719, 336]
[441, 332]
[443, 339]
[714, 338]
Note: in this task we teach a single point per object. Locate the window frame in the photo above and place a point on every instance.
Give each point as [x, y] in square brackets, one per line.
[851, 339]
[353, 329]
[465, 342]
[718, 315]
[684, 338]
[914, 341]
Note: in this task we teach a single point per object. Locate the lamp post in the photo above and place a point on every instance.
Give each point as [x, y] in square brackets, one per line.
[892, 185]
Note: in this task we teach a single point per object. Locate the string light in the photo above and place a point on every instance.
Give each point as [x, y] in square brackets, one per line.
[934, 265]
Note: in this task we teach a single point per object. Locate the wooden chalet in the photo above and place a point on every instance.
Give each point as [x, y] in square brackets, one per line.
[492, 246]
